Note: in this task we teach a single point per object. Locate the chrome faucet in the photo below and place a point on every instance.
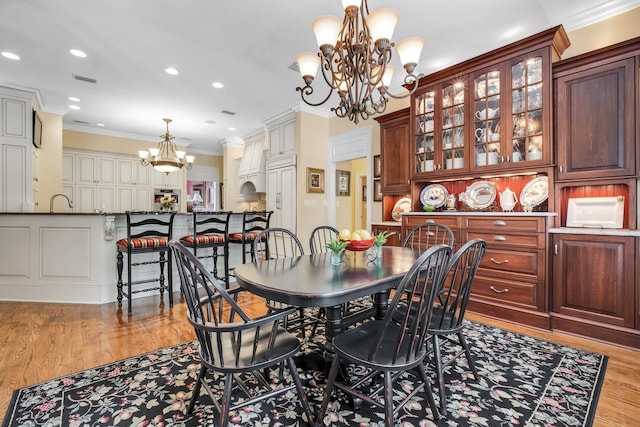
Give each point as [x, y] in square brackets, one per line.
[53, 198]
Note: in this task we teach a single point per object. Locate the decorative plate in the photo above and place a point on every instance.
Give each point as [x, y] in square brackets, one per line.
[480, 195]
[433, 195]
[535, 191]
[401, 206]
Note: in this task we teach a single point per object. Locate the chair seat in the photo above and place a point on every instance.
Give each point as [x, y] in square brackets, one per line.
[287, 345]
[356, 343]
[203, 239]
[251, 235]
[144, 243]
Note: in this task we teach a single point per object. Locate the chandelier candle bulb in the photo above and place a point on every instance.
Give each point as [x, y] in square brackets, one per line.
[382, 22]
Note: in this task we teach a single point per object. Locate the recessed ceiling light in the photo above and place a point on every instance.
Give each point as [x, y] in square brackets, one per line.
[232, 128]
[171, 71]
[78, 53]
[74, 107]
[217, 85]
[74, 99]
[100, 124]
[10, 55]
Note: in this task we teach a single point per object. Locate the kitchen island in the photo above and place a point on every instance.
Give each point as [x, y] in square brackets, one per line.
[71, 257]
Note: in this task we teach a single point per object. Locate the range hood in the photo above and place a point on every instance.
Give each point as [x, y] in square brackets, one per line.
[251, 172]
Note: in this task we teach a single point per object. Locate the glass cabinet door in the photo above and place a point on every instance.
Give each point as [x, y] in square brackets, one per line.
[487, 118]
[453, 122]
[527, 102]
[425, 132]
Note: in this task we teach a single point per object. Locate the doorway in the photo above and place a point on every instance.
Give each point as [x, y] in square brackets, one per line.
[347, 147]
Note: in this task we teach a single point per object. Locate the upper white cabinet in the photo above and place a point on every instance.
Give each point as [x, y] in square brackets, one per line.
[132, 172]
[68, 168]
[113, 183]
[16, 134]
[282, 141]
[95, 170]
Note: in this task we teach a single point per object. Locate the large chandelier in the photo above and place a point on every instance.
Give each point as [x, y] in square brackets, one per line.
[355, 54]
[166, 158]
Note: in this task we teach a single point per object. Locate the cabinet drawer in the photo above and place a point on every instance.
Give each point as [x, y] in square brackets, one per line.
[411, 221]
[506, 224]
[505, 291]
[507, 239]
[393, 240]
[526, 262]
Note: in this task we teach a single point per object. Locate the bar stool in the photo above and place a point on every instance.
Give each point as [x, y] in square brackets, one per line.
[210, 230]
[147, 232]
[252, 223]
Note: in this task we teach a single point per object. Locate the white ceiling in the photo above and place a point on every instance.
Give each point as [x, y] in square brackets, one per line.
[246, 44]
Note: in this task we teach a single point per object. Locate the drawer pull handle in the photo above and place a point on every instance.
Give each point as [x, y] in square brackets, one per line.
[499, 222]
[500, 238]
[493, 260]
[497, 291]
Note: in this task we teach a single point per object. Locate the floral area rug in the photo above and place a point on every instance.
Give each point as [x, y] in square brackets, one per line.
[523, 381]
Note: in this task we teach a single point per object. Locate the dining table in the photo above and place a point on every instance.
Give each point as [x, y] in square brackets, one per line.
[313, 281]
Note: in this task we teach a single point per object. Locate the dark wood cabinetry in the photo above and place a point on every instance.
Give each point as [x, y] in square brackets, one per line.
[595, 96]
[488, 114]
[394, 239]
[394, 152]
[594, 288]
[595, 291]
[512, 281]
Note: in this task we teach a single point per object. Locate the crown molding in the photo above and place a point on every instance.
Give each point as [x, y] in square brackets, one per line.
[599, 13]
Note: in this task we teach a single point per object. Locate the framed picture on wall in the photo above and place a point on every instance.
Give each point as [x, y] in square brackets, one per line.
[315, 180]
[377, 191]
[377, 166]
[343, 183]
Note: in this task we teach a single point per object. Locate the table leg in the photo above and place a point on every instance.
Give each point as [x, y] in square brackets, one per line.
[381, 301]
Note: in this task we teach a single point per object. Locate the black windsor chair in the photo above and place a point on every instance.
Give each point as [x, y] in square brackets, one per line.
[276, 243]
[426, 235]
[391, 348]
[232, 343]
[320, 236]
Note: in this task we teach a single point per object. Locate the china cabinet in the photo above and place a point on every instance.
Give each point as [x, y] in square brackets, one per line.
[596, 114]
[492, 112]
[394, 151]
[440, 129]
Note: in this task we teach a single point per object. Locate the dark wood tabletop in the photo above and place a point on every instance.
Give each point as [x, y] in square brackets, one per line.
[311, 280]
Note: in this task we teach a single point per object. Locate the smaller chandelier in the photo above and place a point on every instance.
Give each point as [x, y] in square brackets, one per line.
[166, 158]
[355, 54]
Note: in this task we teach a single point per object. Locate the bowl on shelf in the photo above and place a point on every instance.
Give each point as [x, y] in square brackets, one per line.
[359, 245]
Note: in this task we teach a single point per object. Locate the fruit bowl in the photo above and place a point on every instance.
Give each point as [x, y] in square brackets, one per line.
[359, 245]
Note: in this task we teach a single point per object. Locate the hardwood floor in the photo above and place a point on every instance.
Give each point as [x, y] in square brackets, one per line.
[39, 342]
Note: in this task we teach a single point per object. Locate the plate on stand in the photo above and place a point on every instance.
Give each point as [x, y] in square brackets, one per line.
[401, 206]
[535, 191]
[434, 195]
